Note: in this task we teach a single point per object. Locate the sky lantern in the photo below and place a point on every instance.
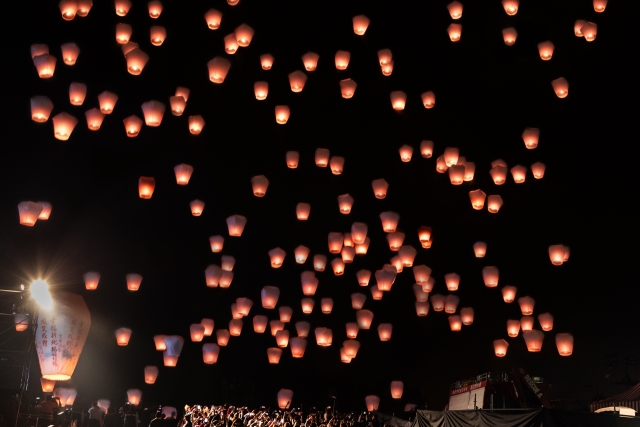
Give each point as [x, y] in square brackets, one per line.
[531, 136]
[196, 331]
[406, 152]
[236, 224]
[275, 326]
[437, 302]
[499, 174]
[376, 293]
[128, 47]
[301, 253]
[545, 49]
[123, 33]
[153, 112]
[157, 35]
[307, 305]
[230, 44]
[133, 281]
[244, 35]
[133, 396]
[302, 329]
[276, 255]
[426, 149]
[183, 175]
[235, 327]
[380, 187]
[477, 199]
[197, 206]
[46, 210]
[494, 203]
[285, 396]
[396, 263]
[261, 89]
[146, 185]
[361, 248]
[136, 60]
[428, 287]
[441, 165]
[364, 318]
[336, 163]
[511, 6]
[310, 61]
[45, 65]
[196, 123]
[208, 326]
[513, 328]
[589, 31]
[363, 277]
[68, 9]
[94, 118]
[335, 241]
[298, 346]
[225, 279]
[21, 322]
[352, 331]
[234, 311]
[213, 18]
[273, 355]
[345, 203]
[559, 254]
[490, 276]
[538, 170]
[599, 5]
[358, 233]
[302, 211]
[63, 125]
[469, 171]
[384, 331]
[509, 293]
[546, 321]
[259, 183]
[282, 114]
[455, 323]
[455, 32]
[47, 385]
[77, 93]
[351, 347]
[91, 280]
[451, 155]
[260, 323]
[338, 266]
[526, 323]
[564, 343]
[560, 87]
[84, 6]
[360, 24]
[122, 7]
[270, 295]
[159, 342]
[500, 347]
[38, 49]
[309, 283]
[321, 157]
[357, 300]
[372, 403]
[348, 88]
[387, 69]
[428, 100]
[384, 56]
[451, 303]
[455, 9]
[424, 234]
[398, 100]
[519, 174]
[395, 240]
[421, 274]
[533, 339]
[385, 279]
[297, 80]
[319, 262]
[122, 336]
[326, 305]
[342, 59]
[348, 240]
[41, 107]
[107, 101]
[210, 353]
[292, 158]
[526, 305]
[456, 174]
[480, 249]
[397, 388]
[348, 253]
[70, 52]
[467, 314]
[218, 69]
[407, 255]
[422, 308]
[509, 35]
[155, 9]
[452, 281]
[324, 337]
[222, 337]
[266, 61]
[243, 306]
[212, 275]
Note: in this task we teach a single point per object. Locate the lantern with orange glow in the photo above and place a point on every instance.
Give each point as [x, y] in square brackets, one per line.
[324, 337]
[494, 203]
[589, 31]
[426, 149]
[309, 283]
[509, 35]
[273, 355]
[29, 212]
[342, 59]
[421, 274]
[244, 35]
[395, 240]
[526, 305]
[428, 100]
[310, 61]
[230, 43]
[480, 249]
[134, 395]
[292, 158]
[407, 255]
[183, 175]
[451, 304]
[336, 163]
[345, 203]
[260, 323]
[477, 199]
[298, 346]
[560, 87]
[526, 323]
[157, 35]
[338, 266]
[441, 165]
[398, 100]
[599, 5]
[307, 305]
[380, 188]
[41, 107]
[123, 33]
[266, 61]
[282, 114]
[261, 89]
[122, 336]
[347, 88]
[207, 324]
[302, 211]
[297, 80]
[122, 7]
[276, 255]
[546, 321]
[319, 262]
[455, 323]
[363, 277]
[509, 293]
[45, 65]
[490, 276]
[213, 18]
[385, 278]
[196, 123]
[284, 398]
[510, 6]
[361, 248]
[513, 328]
[397, 387]
[235, 327]
[384, 331]
[301, 253]
[545, 49]
[136, 61]
[270, 295]
[150, 374]
[467, 314]
[46, 210]
[47, 385]
[133, 281]
[531, 136]
[519, 174]
[302, 329]
[68, 9]
[348, 253]
[455, 9]
[335, 241]
[218, 69]
[387, 69]
[564, 343]
[372, 403]
[422, 308]
[500, 347]
[259, 185]
[451, 155]
[94, 118]
[533, 339]
[437, 302]
[91, 280]
[428, 287]
[21, 322]
[169, 360]
[38, 49]
[360, 24]
[424, 235]
[499, 174]
[455, 32]
[236, 224]
[222, 337]
[558, 254]
[376, 293]
[212, 274]
[406, 152]
[322, 158]
[197, 206]
[63, 125]
[153, 112]
[210, 353]
[196, 331]
[70, 52]
[456, 174]
[225, 279]
[469, 171]
[452, 280]
[396, 263]
[364, 318]
[159, 342]
[538, 170]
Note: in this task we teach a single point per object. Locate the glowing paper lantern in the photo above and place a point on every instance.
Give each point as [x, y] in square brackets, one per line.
[326, 305]
[302, 329]
[183, 175]
[266, 61]
[157, 35]
[385, 278]
[397, 387]
[546, 321]
[282, 114]
[297, 80]
[136, 60]
[260, 323]
[210, 353]
[261, 89]
[45, 65]
[212, 274]
[324, 337]
[41, 107]
[384, 331]
[538, 170]
[169, 360]
[531, 136]
[398, 100]
[150, 374]
[499, 174]
[276, 256]
[451, 304]
[307, 305]
[348, 88]
[243, 306]
[94, 118]
[71, 318]
[533, 339]
[500, 347]
[196, 331]
[467, 314]
[564, 342]
[545, 49]
[526, 305]
[396, 263]
[70, 52]
[429, 101]
[123, 33]
[84, 6]
[244, 35]
[477, 199]
[107, 101]
[282, 338]
[196, 123]
[395, 240]
[207, 324]
[455, 9]
[338, 266]
[372, 403]
[77, 93]
[213, 18]
[452, 280]
[292, 158]
[222, 337]
[376, 293]
[455, 323]
[133, 281]
[455, 32]
[134, 395]
[526, 323]
[424, 234]
[235, 327]
[230, 43]
[348, 253]
[558, 254]
[336, 163]
[421, 274]
[301, 253]
[91, 280]
[360, 24]
[335, 241]
[494, 203]
[513, 328]
[319, 262]
[47, 385]
[218, 69]
[363, 277]
[509, 293]
[441, 165]
[380, 187]
[490, 276]
[480, 249]
[422, 308]
[21, 321]
[270, 295]
[342, 59]
[298, 346]
[361, 248]
[122, 7]
[284, 398]
[236, 224]
[63, 125]
[387, 69]
[599, 5]
[456, 174]
[589, 31]
[38, 49]
[275, 326]
[302, 211]
[407, 255]
[437, 302]
[322, 157]
[364, 318]
[197, 206]
[426, 149]
[348, 241]
[159, 342]
[509, 36]
[560, 87]
[68, 9]
[309, 283]
[310, 61]
[510, 6]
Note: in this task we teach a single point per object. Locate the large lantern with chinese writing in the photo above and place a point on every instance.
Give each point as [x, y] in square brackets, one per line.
[70, 320]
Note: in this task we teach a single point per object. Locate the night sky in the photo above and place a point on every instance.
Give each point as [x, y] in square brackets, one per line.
[487, 93]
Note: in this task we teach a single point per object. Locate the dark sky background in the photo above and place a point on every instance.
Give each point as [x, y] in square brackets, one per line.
[487, 93]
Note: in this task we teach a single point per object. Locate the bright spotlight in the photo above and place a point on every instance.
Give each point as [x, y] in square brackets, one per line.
[40, 293]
